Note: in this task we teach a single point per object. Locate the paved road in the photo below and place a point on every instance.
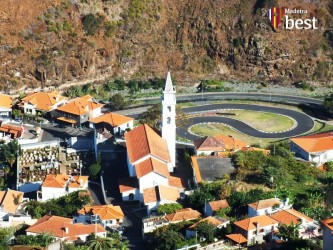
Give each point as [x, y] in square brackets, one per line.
[304, 122]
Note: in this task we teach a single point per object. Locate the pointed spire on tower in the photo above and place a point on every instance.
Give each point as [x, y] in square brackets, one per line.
[168, 85]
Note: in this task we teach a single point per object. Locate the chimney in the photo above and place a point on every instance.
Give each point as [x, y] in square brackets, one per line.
[81, 183]
[257, 227]
[66, 230]
[287, 201]
[86, 108]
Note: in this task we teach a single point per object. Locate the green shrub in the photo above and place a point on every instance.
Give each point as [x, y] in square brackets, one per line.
[91, 23]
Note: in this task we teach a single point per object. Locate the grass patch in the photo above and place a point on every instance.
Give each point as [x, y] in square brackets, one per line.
[214, 129]
[264, 121]
[321, 127]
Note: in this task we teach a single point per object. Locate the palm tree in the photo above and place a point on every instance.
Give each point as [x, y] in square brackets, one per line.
[100, 243]
[6, 171]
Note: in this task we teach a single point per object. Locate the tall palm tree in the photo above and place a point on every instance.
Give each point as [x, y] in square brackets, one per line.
[100, 243]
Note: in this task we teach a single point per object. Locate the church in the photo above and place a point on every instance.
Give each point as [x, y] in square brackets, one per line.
[151, 158]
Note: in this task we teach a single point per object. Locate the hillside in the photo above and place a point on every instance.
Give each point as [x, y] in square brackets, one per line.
[51, 42]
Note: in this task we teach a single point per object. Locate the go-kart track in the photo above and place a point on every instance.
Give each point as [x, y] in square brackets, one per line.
[303, 122]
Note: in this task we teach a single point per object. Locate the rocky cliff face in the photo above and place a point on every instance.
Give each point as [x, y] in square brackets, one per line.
[44, 43]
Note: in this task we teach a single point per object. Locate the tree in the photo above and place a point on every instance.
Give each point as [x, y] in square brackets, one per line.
[31, 240]
[5, 235]
[152, 116]
[206, 230]
[223, 212]
[120, 84]
[169, 208]
[328, 103]
[94, 170]
[99, 243]
[289, 232]
[167, 239]
[117, 102]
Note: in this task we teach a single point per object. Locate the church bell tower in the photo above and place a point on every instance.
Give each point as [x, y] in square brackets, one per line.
[169, 119]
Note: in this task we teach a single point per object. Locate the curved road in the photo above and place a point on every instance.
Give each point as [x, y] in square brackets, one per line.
[304, 122]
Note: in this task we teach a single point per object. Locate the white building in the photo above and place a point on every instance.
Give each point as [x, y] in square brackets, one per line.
[55, 186]
[316, 149]
[5, 106]
[64, 229]
[327, 234]
[267, 207]
[10, 201]
[169, 118]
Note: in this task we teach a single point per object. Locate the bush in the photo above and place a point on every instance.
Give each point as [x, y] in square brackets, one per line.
[94, 170]
[91, 23]
[169, 208]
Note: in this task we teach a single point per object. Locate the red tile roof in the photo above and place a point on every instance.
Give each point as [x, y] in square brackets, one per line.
[105, 212]
[176, 182]
[196, 169]
[251, 223]
[210, 220]
[128, 184]
[151, 165]
[315, 143]
[217, 205]
[56, 225]
[113, 119]
[238, 238]
[80, 106]
[6, 101]
[143, 141]
[10, 200]
[160, 193]
[60, 180]
[183, 214]
[328, 223]
[44, 101]
[218, 143]
[262, 204]
[290, 216]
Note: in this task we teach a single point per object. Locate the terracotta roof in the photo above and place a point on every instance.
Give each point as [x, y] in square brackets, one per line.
[210, 220]
[218, 143]
[143, 141]
[250, 223]
[128, 184]
[43, 100]
[113, 119]
[160, 193]
[196, 169]
[238, 238]
[290, 215]
[217, 205]
[262, 204]
[80, 106]
[151, 165]
[60, 180]
[328, 223]
[176, 182]
[315, 143]
[183, 214]
[10, 200]
[6, 101]
[105, 212]
[56, 225]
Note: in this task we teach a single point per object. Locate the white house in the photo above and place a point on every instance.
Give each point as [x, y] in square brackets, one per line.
[5, 106]
[254, 229]
[115, 123]
[215, 221]
[309, 228]
[42, 101]
[55, 186]
[327, 226]
[109, 215]
[267, 206]
[211, 207]
[316, 149]
[10, 201]
[64, 229]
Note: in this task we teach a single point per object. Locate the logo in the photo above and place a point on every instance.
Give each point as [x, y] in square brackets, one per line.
[276, 15]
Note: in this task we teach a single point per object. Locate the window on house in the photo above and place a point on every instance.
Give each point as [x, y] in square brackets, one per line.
[261, 230]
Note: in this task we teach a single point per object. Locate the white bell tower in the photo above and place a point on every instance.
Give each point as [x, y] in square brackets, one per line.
[169, 119]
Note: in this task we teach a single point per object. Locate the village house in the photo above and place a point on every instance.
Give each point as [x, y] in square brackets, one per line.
[10, 201]
[267, 206]
[308, 227]
[78, 111]
[65, 229]
[211, 207]
[153, 222]
[215, 221]
[11, 131]
[5, 106]
[254, 229]
[55, 186]
[316, 149]
[239, 239]
[109, 215]
[112, 123]
[42, 102]
[327, 226]
[217, 145]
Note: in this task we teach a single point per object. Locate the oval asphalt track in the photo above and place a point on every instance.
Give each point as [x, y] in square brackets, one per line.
[304, 122]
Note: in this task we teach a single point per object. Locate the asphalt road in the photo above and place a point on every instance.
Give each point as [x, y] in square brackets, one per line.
[304, 122]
